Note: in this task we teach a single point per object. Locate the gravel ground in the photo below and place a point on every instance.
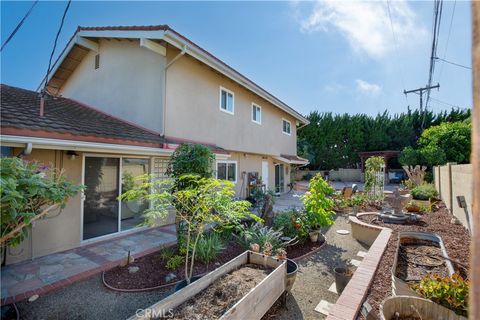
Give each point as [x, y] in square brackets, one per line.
[315, 275]
[88, 299]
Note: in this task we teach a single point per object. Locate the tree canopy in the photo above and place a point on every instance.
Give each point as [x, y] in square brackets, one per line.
[333, 141]
[446, 142]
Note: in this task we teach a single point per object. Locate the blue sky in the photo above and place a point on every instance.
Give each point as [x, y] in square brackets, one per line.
[327, 56]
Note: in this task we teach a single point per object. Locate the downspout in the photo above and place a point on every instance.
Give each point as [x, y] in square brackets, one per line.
[178, 56]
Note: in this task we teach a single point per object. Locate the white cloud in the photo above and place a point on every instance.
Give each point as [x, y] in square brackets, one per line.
[368, 88]
[365, 24]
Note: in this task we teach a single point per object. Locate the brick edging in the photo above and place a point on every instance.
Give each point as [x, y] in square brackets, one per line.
[350, 301]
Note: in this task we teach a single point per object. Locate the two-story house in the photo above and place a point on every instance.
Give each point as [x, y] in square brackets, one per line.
[120, 99]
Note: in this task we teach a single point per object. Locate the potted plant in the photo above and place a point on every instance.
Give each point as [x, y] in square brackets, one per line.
[342, 277]
[318, 206]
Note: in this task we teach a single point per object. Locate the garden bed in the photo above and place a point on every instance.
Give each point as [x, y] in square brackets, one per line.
[152, 271]
[220, 296]
[455, 237]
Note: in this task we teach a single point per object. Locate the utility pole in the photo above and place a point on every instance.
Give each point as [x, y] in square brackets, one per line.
[421, 93]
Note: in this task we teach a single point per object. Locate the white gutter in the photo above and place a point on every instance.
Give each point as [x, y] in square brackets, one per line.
[57, 144]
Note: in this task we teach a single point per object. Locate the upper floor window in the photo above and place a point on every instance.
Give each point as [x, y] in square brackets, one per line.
[256, 114]
[226, 100]
[227, 170]
[286, 127]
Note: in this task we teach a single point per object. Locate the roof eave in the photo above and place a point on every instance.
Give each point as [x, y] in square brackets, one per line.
[171, 36]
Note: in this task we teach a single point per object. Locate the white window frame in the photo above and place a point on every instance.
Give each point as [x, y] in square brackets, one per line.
[220, 100]
[254, 105]
[290, 124]
[227, 162]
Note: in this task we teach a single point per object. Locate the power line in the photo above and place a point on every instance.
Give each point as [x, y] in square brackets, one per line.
[437, 18]
[396, 45]
[448, 38]
[19, 25]
[453, 63]
[55, 44]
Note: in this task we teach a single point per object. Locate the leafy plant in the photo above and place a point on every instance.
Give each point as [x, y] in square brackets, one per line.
[357, 200]
[318, 204]
[29, 191]
[374, 178]
[166, 254]
[191, 159]
[451, 292]
[174, 262]
[261, 235]
[425, 191]
[292, 224]
[201, 202]
[208, 247]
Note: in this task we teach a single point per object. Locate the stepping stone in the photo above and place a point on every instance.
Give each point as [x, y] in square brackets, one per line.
[333, 288]
[343, 232]
[324, 307]
[361, 254]
[356, 263]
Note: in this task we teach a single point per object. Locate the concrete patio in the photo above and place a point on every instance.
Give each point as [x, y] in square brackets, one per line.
[39, 276]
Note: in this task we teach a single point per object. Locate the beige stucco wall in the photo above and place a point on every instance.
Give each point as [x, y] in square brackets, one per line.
[247, 162]
[61, 232]
[193, 112]
[129, 83]
[454, 180]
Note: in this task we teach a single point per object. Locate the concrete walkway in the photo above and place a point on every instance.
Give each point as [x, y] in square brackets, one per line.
[39, 276]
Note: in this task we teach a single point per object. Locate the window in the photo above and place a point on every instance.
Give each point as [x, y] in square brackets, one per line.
[226, 100]
[256, 114]
[286, 127]
[227, 170]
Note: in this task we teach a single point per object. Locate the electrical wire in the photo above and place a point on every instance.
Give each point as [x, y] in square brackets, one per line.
[448, 38]
[453, 63]
[18, 25]
[396, 45]
[55, 44]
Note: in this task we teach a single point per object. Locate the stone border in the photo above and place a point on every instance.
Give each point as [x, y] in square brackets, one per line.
[308, 254]
[350, 301]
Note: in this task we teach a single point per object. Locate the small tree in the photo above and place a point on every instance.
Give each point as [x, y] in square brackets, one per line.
[374, 177]
[318, 204]
[29, 192]
[192, 159]
[202, 201]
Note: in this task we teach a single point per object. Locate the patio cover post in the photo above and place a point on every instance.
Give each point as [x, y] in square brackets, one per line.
[474, 303]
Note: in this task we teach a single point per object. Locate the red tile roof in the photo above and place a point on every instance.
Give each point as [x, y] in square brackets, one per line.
[20, 109]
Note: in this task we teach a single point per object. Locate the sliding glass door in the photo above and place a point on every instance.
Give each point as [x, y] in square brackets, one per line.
[100, 207]
[132, 211]
[103, 213]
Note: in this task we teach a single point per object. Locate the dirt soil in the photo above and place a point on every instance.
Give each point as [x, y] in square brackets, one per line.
[152, 271]
[455, 237]
[220, 296]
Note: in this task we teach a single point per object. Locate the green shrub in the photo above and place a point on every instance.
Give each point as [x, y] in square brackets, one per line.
[424, 192]
[292, 224]
[208, 247]
[166, 254]
[260, 235]
[451, 292]
[175, 262]
[318, 204]
[29, 192]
